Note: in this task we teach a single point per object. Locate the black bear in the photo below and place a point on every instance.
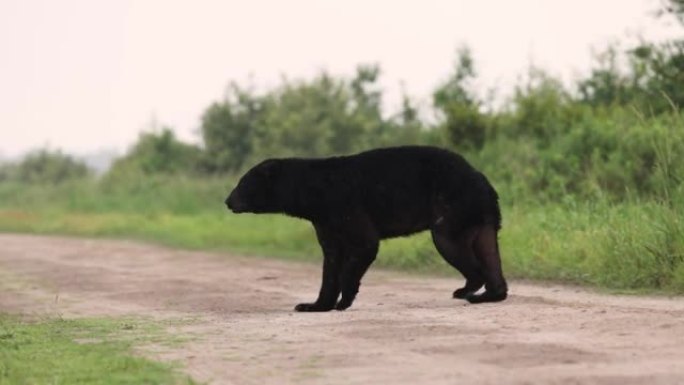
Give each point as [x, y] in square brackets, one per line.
[355, 201]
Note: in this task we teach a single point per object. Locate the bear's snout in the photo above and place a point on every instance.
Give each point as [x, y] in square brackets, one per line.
[234, 203]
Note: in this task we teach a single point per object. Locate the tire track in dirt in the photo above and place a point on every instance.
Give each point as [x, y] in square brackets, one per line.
[401, 330]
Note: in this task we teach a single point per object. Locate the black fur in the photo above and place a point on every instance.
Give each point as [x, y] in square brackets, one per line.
[355, 201]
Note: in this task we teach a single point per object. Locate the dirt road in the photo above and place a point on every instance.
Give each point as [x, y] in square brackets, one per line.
[401, 330]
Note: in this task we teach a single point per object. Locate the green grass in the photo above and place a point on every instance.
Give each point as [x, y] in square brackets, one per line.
[620, 246]
[628, 245]
[250, 234]
[617, 246]
[83, 351]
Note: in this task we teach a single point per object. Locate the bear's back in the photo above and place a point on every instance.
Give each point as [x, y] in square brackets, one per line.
[420, 166]
[398, 186]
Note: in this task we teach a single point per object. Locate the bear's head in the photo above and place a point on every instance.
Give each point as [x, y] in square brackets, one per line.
[256, 191]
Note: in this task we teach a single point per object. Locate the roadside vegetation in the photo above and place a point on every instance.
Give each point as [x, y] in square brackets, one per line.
[590, 174]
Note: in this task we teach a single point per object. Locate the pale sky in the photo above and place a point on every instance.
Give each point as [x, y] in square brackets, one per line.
[83, 75]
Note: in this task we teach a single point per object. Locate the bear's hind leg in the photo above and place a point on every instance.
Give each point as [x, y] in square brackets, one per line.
[487, 252]
[458, 252]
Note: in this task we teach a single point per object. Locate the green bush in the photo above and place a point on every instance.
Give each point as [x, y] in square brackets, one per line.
[158, 153]
[44, 166]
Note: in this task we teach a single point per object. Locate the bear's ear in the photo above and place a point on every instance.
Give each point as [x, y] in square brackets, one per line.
[269, 167]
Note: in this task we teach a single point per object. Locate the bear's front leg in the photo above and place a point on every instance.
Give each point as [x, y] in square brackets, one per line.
[354, 269]
[330, 285]
[312, 307]
[362, 243]
[330, 289]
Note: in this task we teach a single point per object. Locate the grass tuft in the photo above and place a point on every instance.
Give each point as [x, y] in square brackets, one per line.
[84, 351]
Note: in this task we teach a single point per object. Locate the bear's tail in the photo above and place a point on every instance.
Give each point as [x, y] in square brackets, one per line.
[489, 202]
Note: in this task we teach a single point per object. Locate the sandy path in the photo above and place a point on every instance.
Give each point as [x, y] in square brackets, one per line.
[401, 330]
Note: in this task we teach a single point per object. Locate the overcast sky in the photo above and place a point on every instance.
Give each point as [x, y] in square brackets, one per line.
[83, 75]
